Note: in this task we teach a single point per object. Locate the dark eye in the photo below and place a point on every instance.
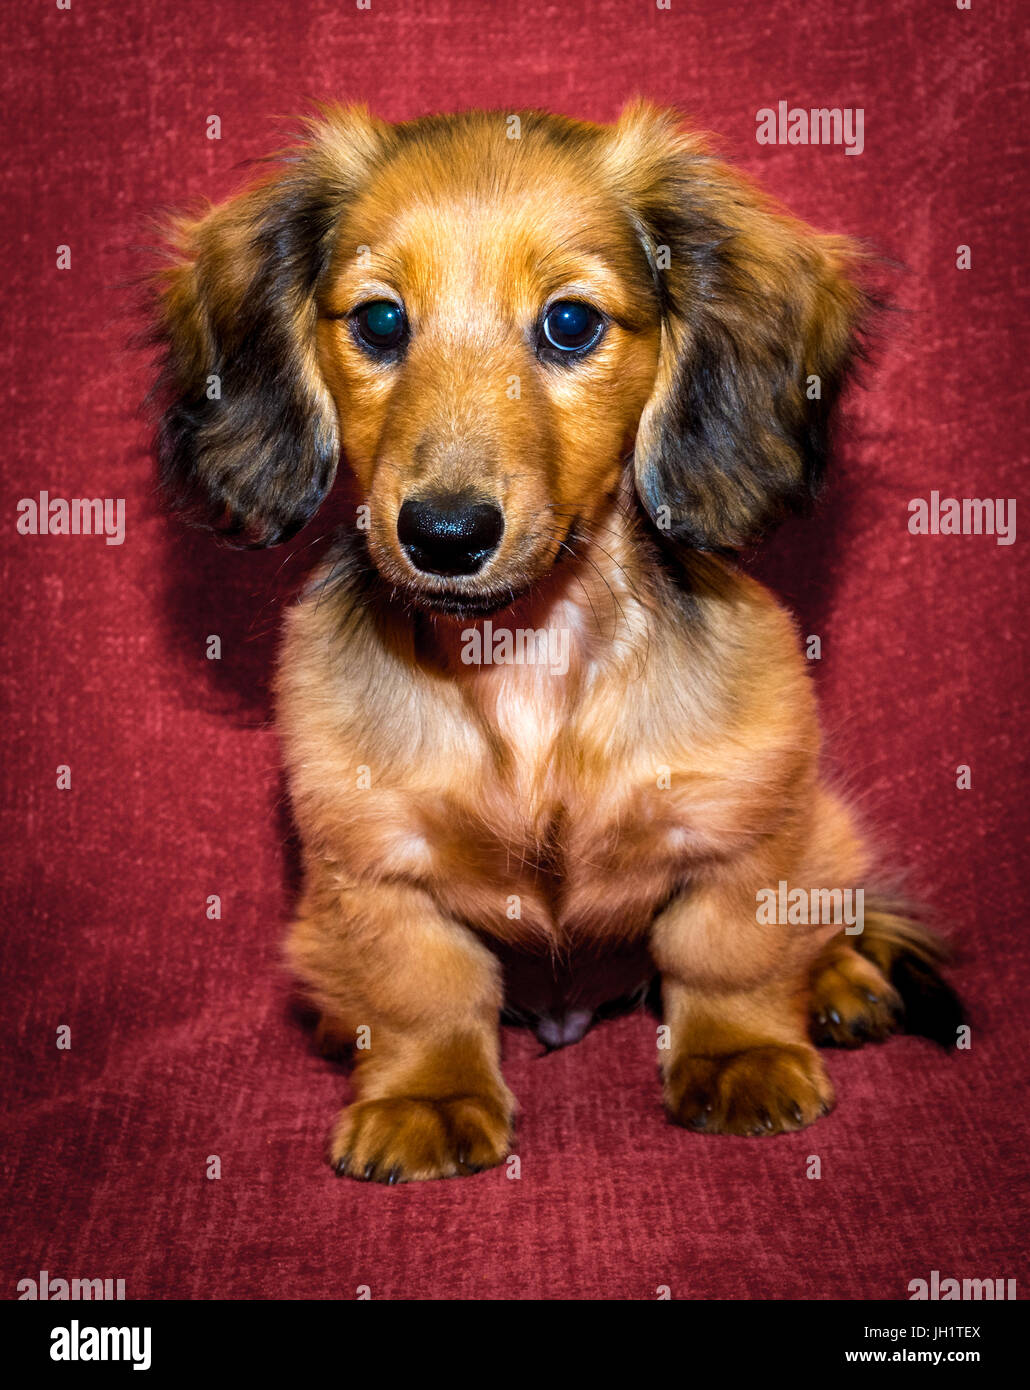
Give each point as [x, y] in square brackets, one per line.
[381, 325]
[571, 326]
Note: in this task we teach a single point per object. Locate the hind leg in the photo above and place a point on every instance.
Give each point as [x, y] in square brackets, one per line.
[851, 1000]
[886, 979]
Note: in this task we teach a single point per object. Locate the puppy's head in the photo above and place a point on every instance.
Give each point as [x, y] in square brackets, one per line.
[492, 318]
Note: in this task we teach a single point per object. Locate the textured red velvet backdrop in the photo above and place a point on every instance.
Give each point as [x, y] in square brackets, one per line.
[183, 1044]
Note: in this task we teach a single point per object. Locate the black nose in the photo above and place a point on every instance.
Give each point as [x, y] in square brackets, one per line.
[449, 535]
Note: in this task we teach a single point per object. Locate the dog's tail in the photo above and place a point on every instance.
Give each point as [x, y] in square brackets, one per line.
[912, 957]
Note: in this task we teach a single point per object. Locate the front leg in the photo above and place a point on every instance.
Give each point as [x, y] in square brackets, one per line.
[735, 997]
[420, 996]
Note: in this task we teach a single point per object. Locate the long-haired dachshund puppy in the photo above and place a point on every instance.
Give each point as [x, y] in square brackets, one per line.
[545, 741]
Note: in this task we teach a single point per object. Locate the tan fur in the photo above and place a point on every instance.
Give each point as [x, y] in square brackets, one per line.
[644, 798]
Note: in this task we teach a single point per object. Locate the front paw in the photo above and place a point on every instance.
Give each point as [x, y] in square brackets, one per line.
[768, 1089]
[400, 1139]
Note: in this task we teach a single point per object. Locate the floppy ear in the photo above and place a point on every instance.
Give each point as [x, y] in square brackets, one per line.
[759, 325]
[249, 441]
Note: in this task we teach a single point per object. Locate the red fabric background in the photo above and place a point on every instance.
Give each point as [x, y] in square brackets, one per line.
[183, 1041]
